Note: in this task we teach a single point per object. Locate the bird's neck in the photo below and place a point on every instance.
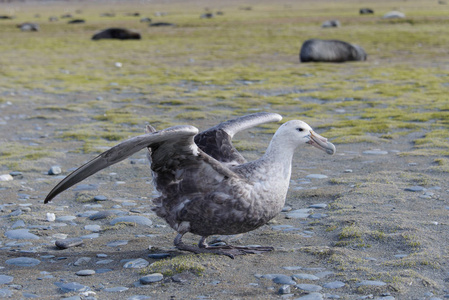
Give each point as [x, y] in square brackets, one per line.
[279, 155]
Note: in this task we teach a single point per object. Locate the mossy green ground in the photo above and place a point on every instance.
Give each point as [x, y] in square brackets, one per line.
[63, 100]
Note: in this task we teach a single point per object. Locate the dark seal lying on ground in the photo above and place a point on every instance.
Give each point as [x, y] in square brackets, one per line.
[366, 11]
[316, 50]
[117, 33]
[28, 26]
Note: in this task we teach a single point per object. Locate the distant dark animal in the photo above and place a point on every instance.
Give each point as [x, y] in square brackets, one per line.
[207, 15]
[316, 50]
[6, 17]
[158, 24]
[53, 19]
[219, 13]
[117, 33]
[145, 20]
[136, 14]
[366, 11]
[331, 23]
[28, 27]
[76, 21]
[66, 16]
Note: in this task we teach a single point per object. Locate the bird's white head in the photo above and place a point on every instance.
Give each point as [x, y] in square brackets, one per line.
[294, 133]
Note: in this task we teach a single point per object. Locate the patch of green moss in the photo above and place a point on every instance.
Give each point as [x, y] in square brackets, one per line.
[179, 264]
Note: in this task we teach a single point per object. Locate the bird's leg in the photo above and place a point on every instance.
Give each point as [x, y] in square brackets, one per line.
[202, 247]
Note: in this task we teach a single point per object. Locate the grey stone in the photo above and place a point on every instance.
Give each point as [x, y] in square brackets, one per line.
[82, 261]
[285, 289]
[85, 272]
[316, 176]
[103, 214]
[159, 255]
[298, 214]
[334, 285]
[311, 296]
[306, 276]
[117, 243]
[139, 297]
[104, 261]
[100, 198]
[137, 263]
[116, 289]
[23, 261]
[5, 293]
[21, 234]
[17, 224]
[68, 243]
[375, 152]
[370, 283]
[4, 279]
[133, 219]
[151, 278]
[415, 188]
[65, 218]
[55, 170]
[94, 228]
[319, 205]
[309, 287]
[283, 279]
[90, 236]
[72, 287]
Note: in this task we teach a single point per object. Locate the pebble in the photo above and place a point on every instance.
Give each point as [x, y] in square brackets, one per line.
[283, 279]
[159, 255]
[5, 293]
[334, 285]
[139, 297]
[116, 289]
[72, 287]
[298, 214]
[132, 219]
[82, 261]
[370, 283]
[316, 176]
[375, 152]
[102, 215]
[309, 287]
[151, 278]
[85, 272]
[6, 177]
[306, 276]
[100, 198]
[18, 224]
[93, 228]
[319, 205]
[51, 217]
[104, 262]
[317, 216]
[90, 236]
[20, 234]
[415, 188]
[4, 279]
[117, 243]
[137, 263]
[23, 262]
[65, 218]
[285, 289]
[16, 174]
[55, 170]
[68, 243]
[311, 296]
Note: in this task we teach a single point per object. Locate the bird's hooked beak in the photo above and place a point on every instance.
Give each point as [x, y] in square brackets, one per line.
[321, 143]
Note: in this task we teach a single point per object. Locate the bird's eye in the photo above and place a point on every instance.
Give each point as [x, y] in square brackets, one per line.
[300, 129]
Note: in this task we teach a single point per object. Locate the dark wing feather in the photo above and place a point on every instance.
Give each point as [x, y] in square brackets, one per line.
[217, 141]
[179, 137]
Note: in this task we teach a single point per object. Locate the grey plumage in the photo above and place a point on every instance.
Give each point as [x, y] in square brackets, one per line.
[206, 186]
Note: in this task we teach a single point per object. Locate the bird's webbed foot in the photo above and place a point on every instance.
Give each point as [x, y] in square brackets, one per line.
[227, 250]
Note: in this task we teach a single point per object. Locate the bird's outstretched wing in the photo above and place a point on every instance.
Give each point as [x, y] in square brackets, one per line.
[174, 142]
[217, 141]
